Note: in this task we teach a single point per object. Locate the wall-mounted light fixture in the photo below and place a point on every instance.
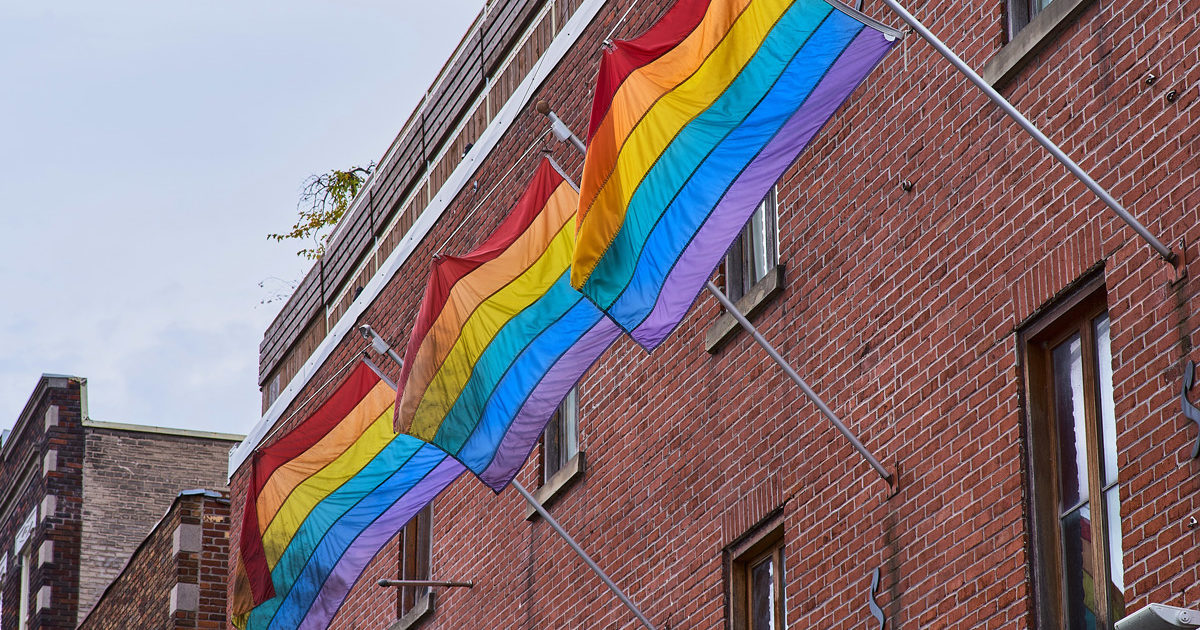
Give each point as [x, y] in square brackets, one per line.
[559, 128]
[1161, 617]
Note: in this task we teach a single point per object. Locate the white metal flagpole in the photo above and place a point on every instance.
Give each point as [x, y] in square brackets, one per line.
[792, 374]
[382, 347]
[533, 502]
[1029, 128]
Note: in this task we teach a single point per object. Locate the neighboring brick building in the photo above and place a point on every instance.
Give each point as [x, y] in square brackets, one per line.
[176, 577]
[993, 333]
[79, 496]
[130, 476]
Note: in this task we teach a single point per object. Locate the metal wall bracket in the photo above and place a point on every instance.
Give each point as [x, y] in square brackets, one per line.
[1190, 411]
[1181, 263]
[876, 611]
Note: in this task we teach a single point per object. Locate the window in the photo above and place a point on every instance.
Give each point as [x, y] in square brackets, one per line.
[1032, 25]
[23, 602]
[755, 252]
[1022, 11]
[273, 390]
[1074, 491]
[416, 542]
[562, 463]
[753, 273]
[560, 442]
[755, 572]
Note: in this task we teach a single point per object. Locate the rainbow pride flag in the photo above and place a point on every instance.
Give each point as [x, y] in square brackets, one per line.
[501, 337]
[323, 500]
[692, 124]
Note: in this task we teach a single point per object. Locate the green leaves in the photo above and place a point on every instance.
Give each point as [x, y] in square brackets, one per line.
[323, 201]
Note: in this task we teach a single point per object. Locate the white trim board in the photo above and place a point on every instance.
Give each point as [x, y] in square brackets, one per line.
[461, 176]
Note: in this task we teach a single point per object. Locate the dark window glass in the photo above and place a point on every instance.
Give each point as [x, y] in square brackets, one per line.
[762, 595]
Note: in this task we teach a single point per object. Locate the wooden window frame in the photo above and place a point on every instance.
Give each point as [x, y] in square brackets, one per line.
[765, 541]
[1028, 34]
[561, 469]
[414, 562]
[748, 296]
[1073, 315]
[1020, 12]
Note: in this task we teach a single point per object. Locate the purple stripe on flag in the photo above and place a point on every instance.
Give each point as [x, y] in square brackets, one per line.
[529, 422]
[697, 262]
[368, 543]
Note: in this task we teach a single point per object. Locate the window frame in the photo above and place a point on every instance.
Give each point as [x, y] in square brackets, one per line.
[749, 299]
[765, 540]
[738, 282]
[563, 431]
[414, 561]
[554, 481]
[25, 588]
[1036, 342]
[1020, 13]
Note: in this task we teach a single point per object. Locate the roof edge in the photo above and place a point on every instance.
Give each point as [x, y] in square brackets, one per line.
[45, 381]
[139, 428]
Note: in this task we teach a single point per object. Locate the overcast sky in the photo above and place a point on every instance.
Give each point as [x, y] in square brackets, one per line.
[147, 148]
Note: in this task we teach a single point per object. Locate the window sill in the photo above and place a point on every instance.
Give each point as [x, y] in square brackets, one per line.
[558, 484]
[422, 609]
[1026, 42]
[760, 294]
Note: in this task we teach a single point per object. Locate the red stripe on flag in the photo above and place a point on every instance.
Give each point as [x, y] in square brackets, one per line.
[626, 56]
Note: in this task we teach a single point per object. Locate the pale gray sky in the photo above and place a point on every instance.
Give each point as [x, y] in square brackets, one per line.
[147, 148]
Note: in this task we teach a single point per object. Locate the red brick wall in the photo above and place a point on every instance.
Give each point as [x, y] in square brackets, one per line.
[901, 309]
[212, 568]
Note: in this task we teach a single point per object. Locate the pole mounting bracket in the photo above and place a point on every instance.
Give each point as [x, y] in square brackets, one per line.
[1181, 262]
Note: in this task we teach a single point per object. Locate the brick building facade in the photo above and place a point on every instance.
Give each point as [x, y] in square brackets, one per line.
[79, 496]
[176, 577]
[1006, 346]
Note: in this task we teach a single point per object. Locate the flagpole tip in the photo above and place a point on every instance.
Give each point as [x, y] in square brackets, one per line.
[542, 107]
